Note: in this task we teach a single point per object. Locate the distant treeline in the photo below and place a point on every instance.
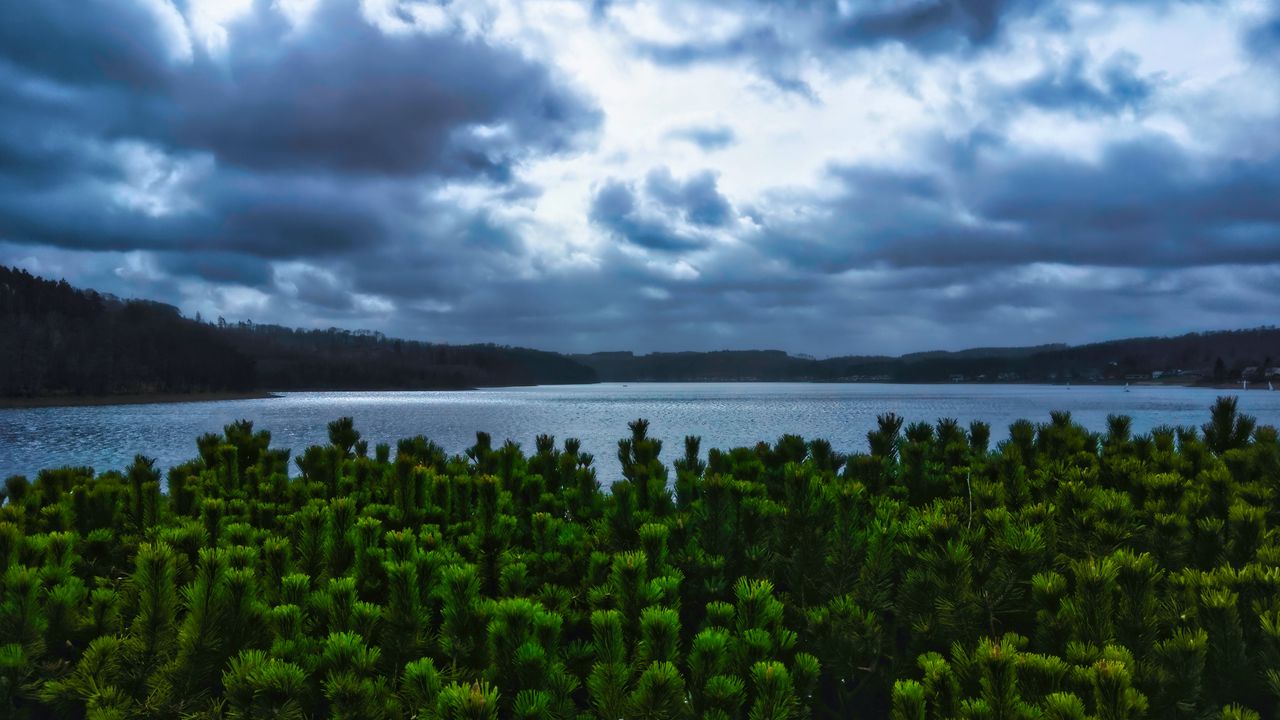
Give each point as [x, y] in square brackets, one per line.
[1197, 358]
[59, 340]
[56, 339]
[316, 359]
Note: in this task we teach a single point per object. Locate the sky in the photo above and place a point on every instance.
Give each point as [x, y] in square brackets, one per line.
[820, 176]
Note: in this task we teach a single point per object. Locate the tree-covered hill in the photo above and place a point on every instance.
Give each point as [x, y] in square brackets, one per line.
[725, 365]
[1222, 356]
[1060, 574]
[59, 340]
[343, 360]
[1197, 358]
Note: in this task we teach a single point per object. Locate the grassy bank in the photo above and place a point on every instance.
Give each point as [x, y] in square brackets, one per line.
[1060, 574]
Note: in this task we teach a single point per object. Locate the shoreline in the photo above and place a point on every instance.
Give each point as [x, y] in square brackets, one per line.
[18, 403]
[50, 401]
[808, 381]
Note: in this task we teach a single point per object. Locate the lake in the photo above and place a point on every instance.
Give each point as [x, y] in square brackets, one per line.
[724, 414]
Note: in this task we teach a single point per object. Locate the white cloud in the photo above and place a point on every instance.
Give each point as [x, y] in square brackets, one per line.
[155, 183]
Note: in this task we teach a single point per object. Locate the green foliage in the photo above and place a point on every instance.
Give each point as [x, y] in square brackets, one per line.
[1057, 575]
[476, 701]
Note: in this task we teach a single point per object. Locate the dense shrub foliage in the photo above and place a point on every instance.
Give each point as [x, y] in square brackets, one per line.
[1060, 574]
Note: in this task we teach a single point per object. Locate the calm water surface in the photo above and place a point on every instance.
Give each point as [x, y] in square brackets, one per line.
[724, 414]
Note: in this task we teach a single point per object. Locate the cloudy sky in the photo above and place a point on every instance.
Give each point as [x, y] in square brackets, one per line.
[821, 176]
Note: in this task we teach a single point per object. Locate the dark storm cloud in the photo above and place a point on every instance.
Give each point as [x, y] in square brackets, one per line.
[778, 40]
[305, 219]
[337, 94]
[1264, 40]
[345, 96]
[264, 216]
[1144, 204]
[666, 214]
[697, 199]
[707, 137]
[217, 267]
[86, 42]
[47, 131]
[600, 8]
[484, 232]
[616, 208]
[317, 288]
[310, 142]
[1118, 86]
[772, 56]
[927, 25]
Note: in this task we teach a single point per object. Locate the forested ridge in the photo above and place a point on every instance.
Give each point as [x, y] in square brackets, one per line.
[59, 340]
[343, 360]
[1208, 358]
[1059, 574]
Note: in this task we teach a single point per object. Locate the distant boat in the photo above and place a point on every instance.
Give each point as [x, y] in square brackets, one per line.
[1270, 386]
[1126, 387]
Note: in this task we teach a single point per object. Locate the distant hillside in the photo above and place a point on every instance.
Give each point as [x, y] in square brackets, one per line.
[981, 353]
[723, 365]
[340, 359]
[57, 340]
[1224, 356]
[1197, 358]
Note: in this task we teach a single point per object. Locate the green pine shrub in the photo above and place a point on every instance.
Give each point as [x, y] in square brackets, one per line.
[1059, 574]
